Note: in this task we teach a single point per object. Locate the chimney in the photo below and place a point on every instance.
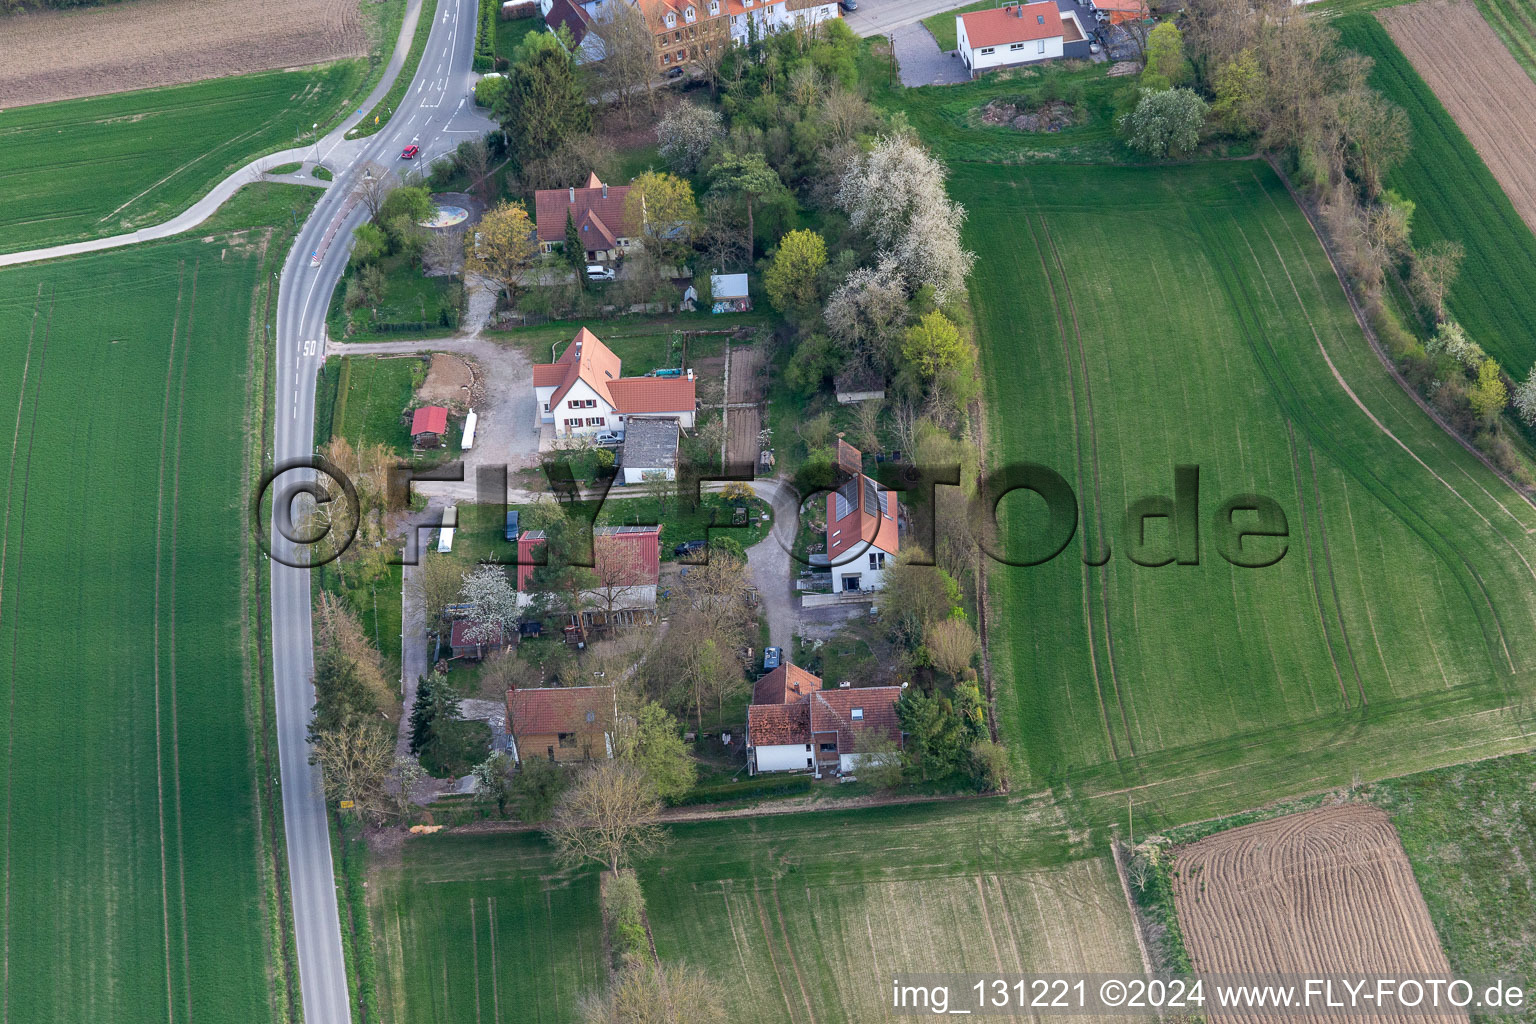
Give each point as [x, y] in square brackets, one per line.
[573, 195]
[690, 373]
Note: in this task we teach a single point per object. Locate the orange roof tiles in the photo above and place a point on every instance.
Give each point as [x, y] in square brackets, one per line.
[785, 685]
[586, 359]
[777, 725]
[429, 419]
[640, 395]
[557, 709]
[1012, 24]
[605, 202]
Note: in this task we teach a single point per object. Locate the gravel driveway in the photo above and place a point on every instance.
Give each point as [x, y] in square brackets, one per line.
[920, 60]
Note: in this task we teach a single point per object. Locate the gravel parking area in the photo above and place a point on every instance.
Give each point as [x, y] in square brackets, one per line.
[921, 62]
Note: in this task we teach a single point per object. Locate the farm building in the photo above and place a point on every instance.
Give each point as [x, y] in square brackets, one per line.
[862, 529]
[564, 723]
[582, 392]
[1018, 34]
[795, 725]
[598, 212]
[728, 293]
[463, 643]
[860, 384]
[650, 447]
[428, 425]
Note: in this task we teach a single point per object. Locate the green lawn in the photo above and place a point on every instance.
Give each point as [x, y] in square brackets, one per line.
[1213, 332]
[510, 33]
[1458, 198]
[133, 872]
[371, 396]
[795, 917]
[109, 164]
[479, 534]
[412, 303]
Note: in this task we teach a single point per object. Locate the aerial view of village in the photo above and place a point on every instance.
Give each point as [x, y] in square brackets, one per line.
[785, 511]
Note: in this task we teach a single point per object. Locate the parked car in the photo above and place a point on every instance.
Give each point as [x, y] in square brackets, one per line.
[771, 658]
[688, 547]
[849, 5]
[595, 272]
[410, 152]
[675, 73]
[511, 531]
[607, 438]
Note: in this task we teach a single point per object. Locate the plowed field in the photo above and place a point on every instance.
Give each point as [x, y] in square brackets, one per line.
[1482, 86]
[1329, 891]
[57, 55]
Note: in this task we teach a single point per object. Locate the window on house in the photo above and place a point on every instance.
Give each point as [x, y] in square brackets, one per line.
[546, 407]
[1042, 47]
[714, 6]
[829, 748]
[551, 752]
[671, 20]
[688, 14]
[807, 747]
[594, 421]
[987, 49]
[567, 740]
[1015, 46]
[666, 58]
[808, 762]
[858, 714]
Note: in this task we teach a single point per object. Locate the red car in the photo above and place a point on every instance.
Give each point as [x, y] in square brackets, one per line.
[410, 152]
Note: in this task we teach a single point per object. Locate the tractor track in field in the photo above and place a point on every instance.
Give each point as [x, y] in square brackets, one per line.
[1306, 540]
[1360, 404]
[1077, 447]
[181, 848]
[1338, 605]
[778, 974]
[165, 423]
[789, 947]
[1098, 497]
[21, 544]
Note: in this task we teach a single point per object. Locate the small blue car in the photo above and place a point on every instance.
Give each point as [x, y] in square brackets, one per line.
[771, 656]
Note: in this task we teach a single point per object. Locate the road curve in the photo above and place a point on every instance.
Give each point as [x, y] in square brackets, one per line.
[435, 115]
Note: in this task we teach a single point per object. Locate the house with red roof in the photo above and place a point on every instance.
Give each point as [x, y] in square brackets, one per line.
[584, 392]
[627, 567]
[1018, 34]
[862, 527]
[599, 213]
[795, 725]
[562, 723]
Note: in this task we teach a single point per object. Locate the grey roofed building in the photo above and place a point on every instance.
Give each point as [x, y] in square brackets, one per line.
[650, 446]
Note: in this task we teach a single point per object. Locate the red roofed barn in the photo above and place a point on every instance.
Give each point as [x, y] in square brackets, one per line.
[598, 212]
[582, 392]
[1018, 34]
[795, 725]
[428, 425]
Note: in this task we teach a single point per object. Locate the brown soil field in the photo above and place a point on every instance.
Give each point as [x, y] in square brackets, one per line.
[1327, 892]
[1491, 97]
[58, 55]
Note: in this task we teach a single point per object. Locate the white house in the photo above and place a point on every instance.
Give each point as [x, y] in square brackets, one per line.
[582, 392]
[862, 528]
[795, 725]
[760, 17]
[1018, 34]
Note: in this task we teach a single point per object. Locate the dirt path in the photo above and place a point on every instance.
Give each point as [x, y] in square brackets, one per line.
[773, 571]
[1482, 86]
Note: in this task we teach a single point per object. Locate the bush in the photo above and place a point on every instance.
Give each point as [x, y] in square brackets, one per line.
[624, 912]
[1164, 123]
[744, 789]
[485, 37]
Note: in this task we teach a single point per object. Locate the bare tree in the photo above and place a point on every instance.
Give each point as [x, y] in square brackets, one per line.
[1434, 271]
[474, 157]
[372, 188]
[621, 572]
[607, 817]
[355, 759]
[629, 61]
[647, 993]
[951, 646]
[443, 251]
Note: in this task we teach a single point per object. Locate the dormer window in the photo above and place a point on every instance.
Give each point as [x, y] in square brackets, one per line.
[688, 15]
[714, 6]
[858, 714]
[671, 19]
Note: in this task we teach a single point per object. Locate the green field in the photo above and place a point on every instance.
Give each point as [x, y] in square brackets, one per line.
[1458, 198]
[1514, 21]
[110, 164]
[135, 884]
[797, 917]
[1470, 833]
[1203, 325]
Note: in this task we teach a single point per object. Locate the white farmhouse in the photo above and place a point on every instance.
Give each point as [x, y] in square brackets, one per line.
[582, 392]
[1018, 34]
[863, 534]
[794, 725]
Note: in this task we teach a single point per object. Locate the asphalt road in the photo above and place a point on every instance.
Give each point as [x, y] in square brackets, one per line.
[435, 114]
